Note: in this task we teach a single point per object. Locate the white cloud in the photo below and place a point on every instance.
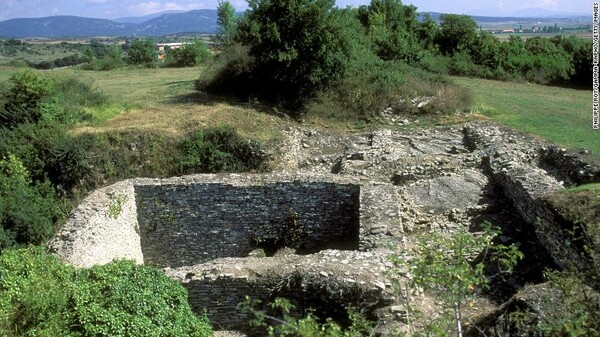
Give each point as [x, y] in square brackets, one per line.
[95, 2]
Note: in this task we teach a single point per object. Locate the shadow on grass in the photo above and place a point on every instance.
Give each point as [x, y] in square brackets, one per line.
[205, 99]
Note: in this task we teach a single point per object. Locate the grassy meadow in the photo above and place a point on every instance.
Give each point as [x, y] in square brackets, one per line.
[559, 115]
[164, 99]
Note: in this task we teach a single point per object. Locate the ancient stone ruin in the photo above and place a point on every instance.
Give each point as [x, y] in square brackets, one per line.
[344, 203]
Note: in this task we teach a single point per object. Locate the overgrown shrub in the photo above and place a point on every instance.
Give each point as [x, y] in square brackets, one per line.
[216, 150]
[34, 98]
[288, 67]
[188, 55]
[368, 89]
[307, 326]
[26, 91]
[142, 52]
[229, 73]
[40, 296]
[27, 209]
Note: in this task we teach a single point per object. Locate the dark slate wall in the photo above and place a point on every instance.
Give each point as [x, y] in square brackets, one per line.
[189, 224]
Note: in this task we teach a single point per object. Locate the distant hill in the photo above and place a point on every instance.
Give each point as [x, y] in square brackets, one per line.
[140, 19]
[196, 21]
[62, 26]
[487, 19]
[160, 24]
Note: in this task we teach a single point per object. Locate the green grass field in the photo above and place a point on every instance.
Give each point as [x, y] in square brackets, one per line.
[165, 99]
[559, 115]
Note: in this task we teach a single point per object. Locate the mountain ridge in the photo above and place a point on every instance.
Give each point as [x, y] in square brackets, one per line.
[158, 24]
[195, 21]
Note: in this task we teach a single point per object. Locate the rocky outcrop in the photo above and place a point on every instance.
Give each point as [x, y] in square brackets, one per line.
[559, 309]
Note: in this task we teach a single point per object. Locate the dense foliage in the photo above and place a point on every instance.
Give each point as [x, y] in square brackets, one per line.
[27, 209]
[216, 150]
[226, 21]
[341, 52]
[189, 55]
[289, 66]
[141, 52]
[40, 296]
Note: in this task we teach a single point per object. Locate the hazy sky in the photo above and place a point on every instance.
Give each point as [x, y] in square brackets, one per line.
[121, 8]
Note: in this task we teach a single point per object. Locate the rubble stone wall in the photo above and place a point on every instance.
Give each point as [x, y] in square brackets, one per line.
[193, 223]
[515, 167]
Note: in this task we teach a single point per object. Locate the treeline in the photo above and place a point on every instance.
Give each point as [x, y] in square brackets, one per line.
[373, 57]
[143, 52]
[106, 55]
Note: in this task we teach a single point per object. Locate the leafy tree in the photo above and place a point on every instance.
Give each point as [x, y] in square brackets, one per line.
[485, 51]
[291, 67]
[513, 55]
[87, 55]
[24, 96]
[227, 22]
[188, 55]
[427, 32]
[580, 50]
[457, 32]
[446, 267]
[142, 52]
[27, 210]
[549, 62]
[391, 27]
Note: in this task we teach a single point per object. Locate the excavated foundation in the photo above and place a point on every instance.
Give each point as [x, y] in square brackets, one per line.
[344, 204]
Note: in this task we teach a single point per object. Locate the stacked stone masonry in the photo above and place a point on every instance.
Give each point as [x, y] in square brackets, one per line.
[358, 199]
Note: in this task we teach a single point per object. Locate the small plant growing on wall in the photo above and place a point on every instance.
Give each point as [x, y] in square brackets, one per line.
[292, 234]
[448, 268]
[115, 206]
[167, 217]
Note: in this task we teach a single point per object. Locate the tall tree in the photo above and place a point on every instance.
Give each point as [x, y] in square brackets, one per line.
[142, 52]
[227, 22]
[391, 26]
[457, 33]
[298, 46]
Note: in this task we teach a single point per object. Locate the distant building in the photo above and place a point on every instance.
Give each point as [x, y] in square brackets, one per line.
[162, 48]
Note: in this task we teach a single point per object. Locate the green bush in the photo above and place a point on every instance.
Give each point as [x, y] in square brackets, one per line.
[368, 89]
[229, 73]
[216, 150]
[188, 55]
[40, 296]
[48, 151]
[34, 98]
[290, 67]
[27, 209]
[142, 52]
[25, 94]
